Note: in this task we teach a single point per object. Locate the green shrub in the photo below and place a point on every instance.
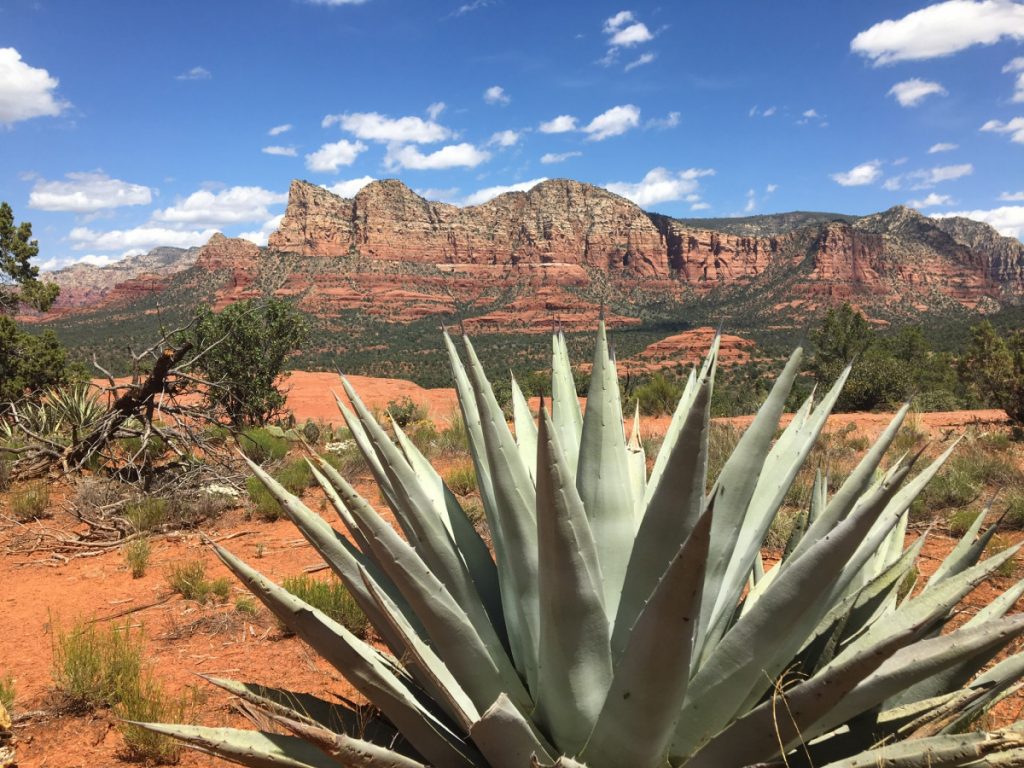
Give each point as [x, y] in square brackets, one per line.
[657, 396]
[30, 502]
[261, 446]
[136, 555]
[265, 505]
[965, 477]
[147, 513]
[423, 435]
[7, 691]
[189, 580]
[406, 411]
[296, 476]
[96, 666]
[331, 597]
[461, 479]
[1014, 517]
[960, 521]
[453, 440]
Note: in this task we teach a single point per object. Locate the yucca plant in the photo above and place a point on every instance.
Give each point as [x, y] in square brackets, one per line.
[625, 619]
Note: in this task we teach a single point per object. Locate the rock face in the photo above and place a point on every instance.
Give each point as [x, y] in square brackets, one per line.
[84, 285]
[568, 226]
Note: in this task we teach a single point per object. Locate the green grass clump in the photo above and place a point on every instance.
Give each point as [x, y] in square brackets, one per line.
[461, 479]
[30, 502]
[453, 440]
[189, 580]
[96, 666]
[7, 692]
[136, 555]
[147, 513]
[965, 478]
[245, 605]
[331, 597]
[961, 520]
[722, 440]
[1014, 502]
[296, 476]
[148, 702]
[261, 446]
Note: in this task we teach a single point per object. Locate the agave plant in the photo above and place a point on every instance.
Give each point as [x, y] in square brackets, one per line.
[625, 619]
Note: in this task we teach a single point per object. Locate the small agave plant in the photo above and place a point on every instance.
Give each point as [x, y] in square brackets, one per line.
[626, 620]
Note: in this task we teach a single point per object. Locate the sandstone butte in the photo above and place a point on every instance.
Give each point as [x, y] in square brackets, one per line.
[558, 251]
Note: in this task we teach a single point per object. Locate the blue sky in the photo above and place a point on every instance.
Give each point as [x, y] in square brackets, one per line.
[125, 125]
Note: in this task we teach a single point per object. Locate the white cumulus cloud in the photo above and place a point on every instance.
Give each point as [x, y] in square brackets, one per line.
[277, 130]
[228, 206]
[25, 91]
[859, 175]
[330, 157]
[349, 187]
[910, 93]
[560, 124]
[1013, 127]
[434, 110]
[196, 73]
[941, 29]
[639, 61]
[496, 95]
[1017, 66]
[373, 126]
[262, 235]
[931, 200]
[507, 138]
[613, 122]
[279, 150]
[463, 155]
[942, 146]
[558, 157]
[661, 185]
[87, 193]
[1008, 219]
[137, 239]
[483, 195]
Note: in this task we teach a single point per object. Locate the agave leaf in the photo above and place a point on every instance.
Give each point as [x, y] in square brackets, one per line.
[362, 665]
[526, 427]
[781, 719]
[647, 691]
[672, 512]
[340, 718]
[515, 518]
[602, 476]
[365, 446]
[947, 751]
[776, 477]
[998, 607]
[324, 473]
[255, 749]
[855, 486]
[433, 674]
[967, 550]
[348, 751]
[934, 605]
[476, 658]
[338, 553]
[917, 662]
[575, 650]
[508, 739]
[565, 405]
[416, 514]
[468, 543]
[679, 417]
[637, 466]
[752, 652]
[735, 486]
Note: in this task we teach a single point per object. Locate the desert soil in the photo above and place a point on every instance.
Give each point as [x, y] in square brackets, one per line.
[184, 640]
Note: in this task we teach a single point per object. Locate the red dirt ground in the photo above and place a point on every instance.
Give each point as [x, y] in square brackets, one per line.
[33, 597]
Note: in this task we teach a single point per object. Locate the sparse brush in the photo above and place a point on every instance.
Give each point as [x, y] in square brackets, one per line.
[265, 506]
[461, 479]
[1014, 504]
[189, 580]
[30, 502]
[960, 521]
[331, 597]
[722, 440]
[7, 691]
[95, 666]
[296, 476]
[453, 440]
[1000, 544]
[136, 555]
[348, 459]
